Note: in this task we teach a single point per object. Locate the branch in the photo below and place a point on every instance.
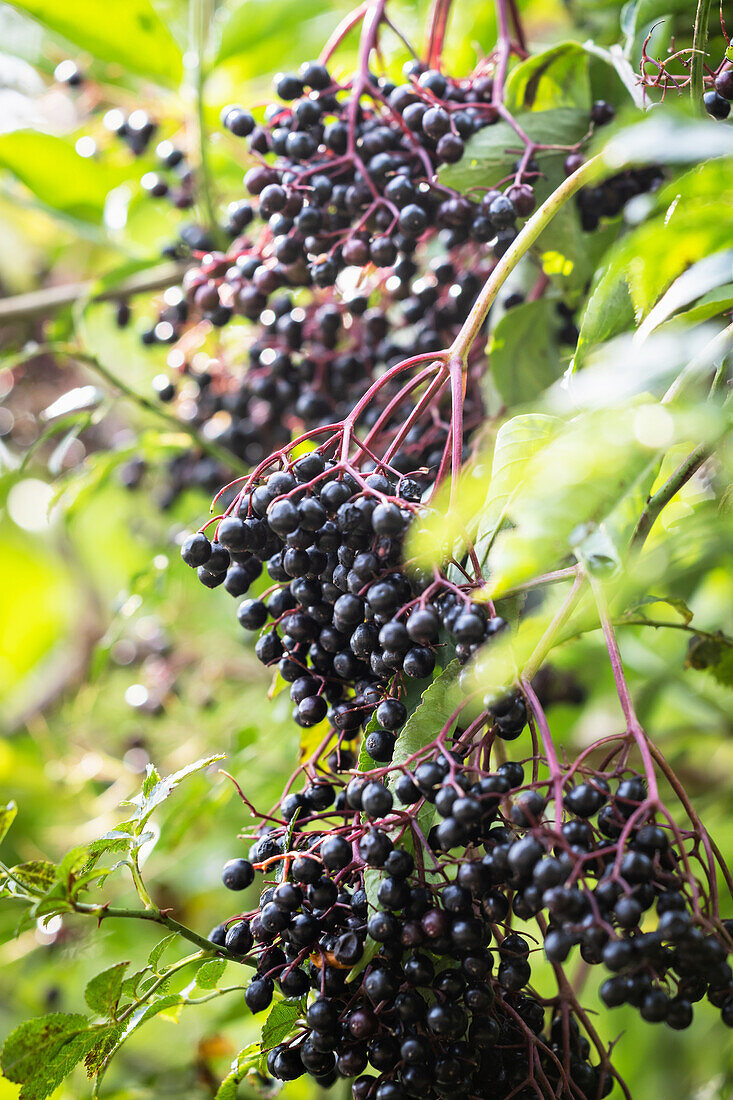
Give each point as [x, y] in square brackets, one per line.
[663, 496]
[153, 916]
[68, 351]
[41, 303]
[699, 42]
[587, 173]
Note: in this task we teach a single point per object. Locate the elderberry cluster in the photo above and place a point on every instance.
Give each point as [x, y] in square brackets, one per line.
[346, 626]
[308, 363]
[402, 940]
[718, 97]
[439, 1004]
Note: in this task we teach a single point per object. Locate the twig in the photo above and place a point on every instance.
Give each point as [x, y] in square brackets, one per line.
[40, 303]
[69, 351]
[588, 172]
[659, 500]
[699, 42]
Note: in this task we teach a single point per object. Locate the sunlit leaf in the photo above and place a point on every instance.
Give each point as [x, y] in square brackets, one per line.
[523, 351]
[73, 186]
[129, 33]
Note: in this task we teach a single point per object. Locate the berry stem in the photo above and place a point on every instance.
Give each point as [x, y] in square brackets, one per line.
[504, 49]
[519, 247]
[659, 500]
[458, 392]
[633, 725]
[548, 745]
[69, 351]
[699, 42]
[437, 23]
[339, 34]
[40, 303]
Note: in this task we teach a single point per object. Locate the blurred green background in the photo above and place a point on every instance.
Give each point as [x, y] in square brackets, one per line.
[111, 655]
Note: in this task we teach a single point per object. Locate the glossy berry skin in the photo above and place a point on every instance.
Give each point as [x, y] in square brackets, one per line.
[715, 104]
[238, 874]
[258, 994]
[724, 83]
[239, 938]
[196, 550]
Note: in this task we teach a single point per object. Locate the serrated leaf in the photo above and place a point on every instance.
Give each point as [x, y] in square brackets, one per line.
[102, 1050]
[7, 817]
[280, 1021]
[209, 974]
[646, 263]
[152, 778]
[706, 275]
[129, 33]
[104, 990]
[428, 718]
[156, 790]
[72, 862]
[248, 1059]
[39, 1053]
[155, 955]
[36, 874]
[131, 984]
[516, 442]
[576, 480]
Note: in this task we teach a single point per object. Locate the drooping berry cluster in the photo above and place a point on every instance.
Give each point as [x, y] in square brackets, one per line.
[402, 939]
[348, 627]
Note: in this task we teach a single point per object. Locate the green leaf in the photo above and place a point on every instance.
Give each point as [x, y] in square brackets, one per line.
[426, 721]
[104, 990]
[75, 187]
[7, 817]
[151, 780]
[128, 33]
[247, 1060]
[646, 262]
[579, 477]
[714, 655]
[704, 276]
[523, 351]
[280, 1021]
[155, 955]
[677, 605]
[42, 1051]
[156, 790]
[36, 874]
[516, 442]
[262, 33]
[209, 975]
[558, 77]
[103, 1049]
[491, 153]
